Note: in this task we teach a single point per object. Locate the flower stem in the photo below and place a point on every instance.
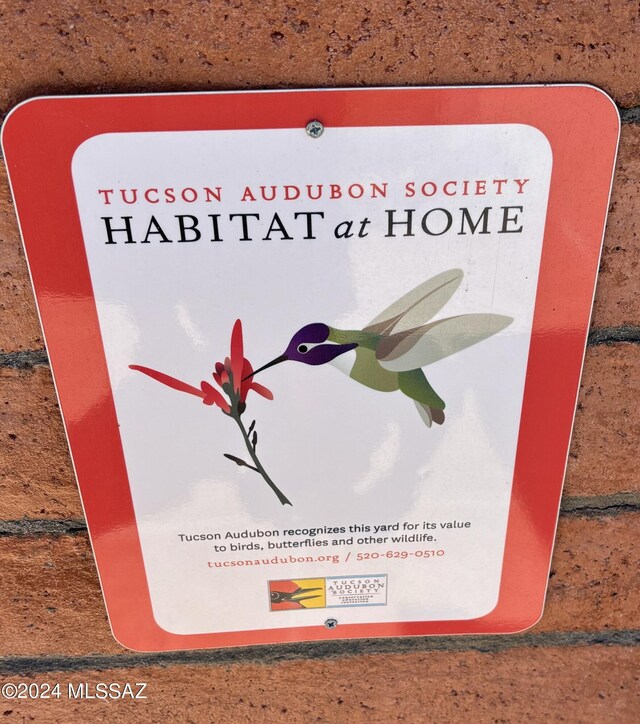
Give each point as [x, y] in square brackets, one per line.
[258, 465]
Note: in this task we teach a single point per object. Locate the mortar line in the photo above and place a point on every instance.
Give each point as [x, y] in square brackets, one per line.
[600, 505]
[36, 527]
[279, 653]
[630, 115]
[613, 335]
[24, 360]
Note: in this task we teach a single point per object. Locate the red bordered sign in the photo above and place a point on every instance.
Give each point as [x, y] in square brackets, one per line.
[203, 262]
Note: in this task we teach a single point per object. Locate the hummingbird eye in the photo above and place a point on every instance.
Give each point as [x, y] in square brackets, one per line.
[303, 349]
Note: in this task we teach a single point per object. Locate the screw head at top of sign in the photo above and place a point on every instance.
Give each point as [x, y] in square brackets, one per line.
[314, 129]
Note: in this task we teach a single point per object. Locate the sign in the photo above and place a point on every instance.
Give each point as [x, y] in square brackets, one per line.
[317, 352]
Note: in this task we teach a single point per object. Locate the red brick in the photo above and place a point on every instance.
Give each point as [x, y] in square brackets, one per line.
[69, 47]
[617, 299]
[595, 684]
[20, 328]
[50, 598]
[603, 457]
[594, 578]
[36, 477]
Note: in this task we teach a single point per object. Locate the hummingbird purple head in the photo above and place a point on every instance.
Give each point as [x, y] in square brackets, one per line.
[310, 345]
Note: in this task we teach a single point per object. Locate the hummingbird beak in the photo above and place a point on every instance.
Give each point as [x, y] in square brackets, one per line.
[276, 361]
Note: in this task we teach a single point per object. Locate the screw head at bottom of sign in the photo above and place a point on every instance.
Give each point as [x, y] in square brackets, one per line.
[331, 623]
[314, 129]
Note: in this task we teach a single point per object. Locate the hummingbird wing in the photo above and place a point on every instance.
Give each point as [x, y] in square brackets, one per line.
[417, 306]
[421, 346]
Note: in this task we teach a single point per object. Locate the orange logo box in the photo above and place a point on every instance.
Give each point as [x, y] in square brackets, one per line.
[297, 593]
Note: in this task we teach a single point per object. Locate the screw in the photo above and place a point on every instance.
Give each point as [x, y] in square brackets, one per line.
[331, 623]
[314, 129]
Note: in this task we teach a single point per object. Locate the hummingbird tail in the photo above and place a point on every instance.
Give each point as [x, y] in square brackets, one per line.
[430, 415]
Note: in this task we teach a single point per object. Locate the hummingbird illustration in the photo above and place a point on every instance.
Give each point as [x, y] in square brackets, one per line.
[390, 352]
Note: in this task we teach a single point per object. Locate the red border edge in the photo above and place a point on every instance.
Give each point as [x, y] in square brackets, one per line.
[582, 126]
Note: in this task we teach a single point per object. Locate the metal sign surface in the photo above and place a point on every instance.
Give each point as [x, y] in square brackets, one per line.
[317, 352]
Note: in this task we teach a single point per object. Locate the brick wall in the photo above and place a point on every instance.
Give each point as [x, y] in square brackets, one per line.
[581, 662]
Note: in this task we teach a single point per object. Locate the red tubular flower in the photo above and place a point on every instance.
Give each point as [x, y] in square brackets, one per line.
[237, 355]
[208, 393]
[221, 376]
[235, 377]
[249, 384]
[236, 368]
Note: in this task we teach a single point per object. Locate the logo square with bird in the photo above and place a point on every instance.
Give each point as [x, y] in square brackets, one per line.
[298, 593]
